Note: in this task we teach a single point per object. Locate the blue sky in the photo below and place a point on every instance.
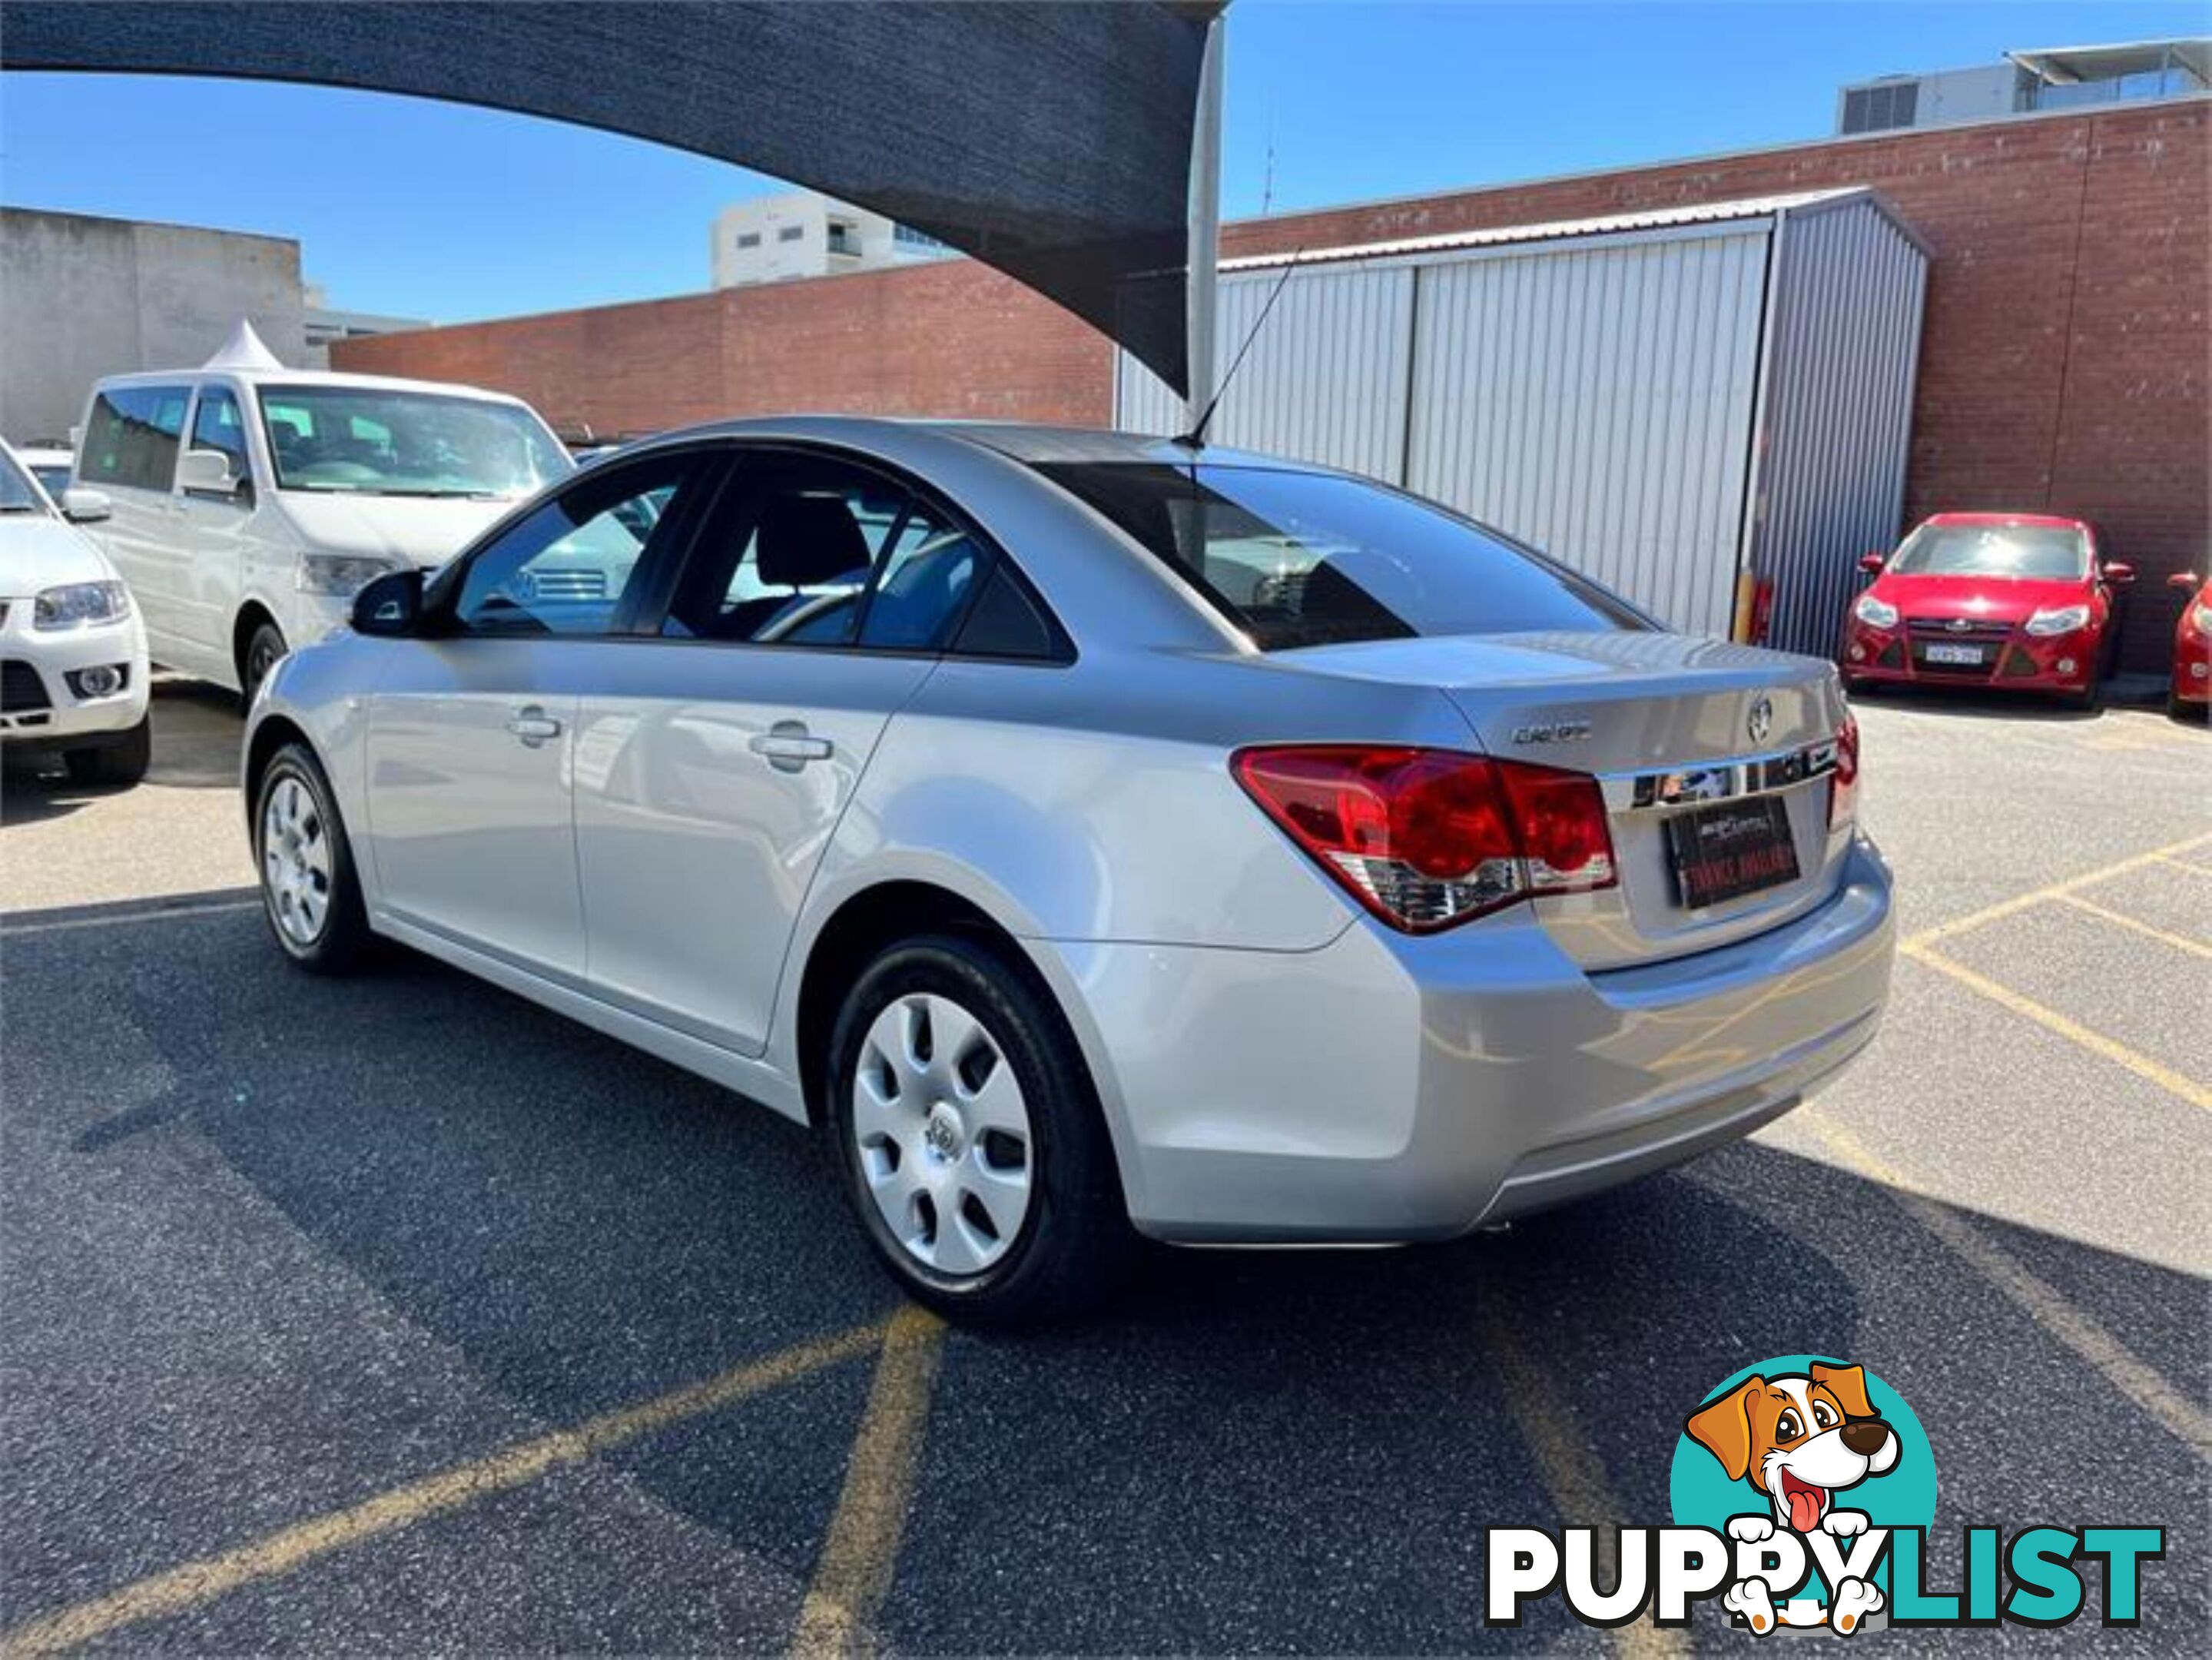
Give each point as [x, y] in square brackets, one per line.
[426, 210]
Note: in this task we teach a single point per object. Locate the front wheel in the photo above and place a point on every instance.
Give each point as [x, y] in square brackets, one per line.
[969, 1139]
[263, 650]
[309, 889]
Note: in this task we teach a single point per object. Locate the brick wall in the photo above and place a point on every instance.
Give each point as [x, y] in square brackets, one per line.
[2063, 366]
[954, 338]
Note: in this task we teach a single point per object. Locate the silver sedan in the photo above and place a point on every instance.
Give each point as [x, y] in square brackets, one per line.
[1095, 837]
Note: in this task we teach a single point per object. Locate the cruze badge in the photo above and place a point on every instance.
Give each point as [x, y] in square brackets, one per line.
[1762, 720]
[1552, 732]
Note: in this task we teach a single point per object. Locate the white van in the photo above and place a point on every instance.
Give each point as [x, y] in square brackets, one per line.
[252, 502]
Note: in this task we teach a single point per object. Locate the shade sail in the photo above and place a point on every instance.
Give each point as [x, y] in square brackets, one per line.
[1051, 141]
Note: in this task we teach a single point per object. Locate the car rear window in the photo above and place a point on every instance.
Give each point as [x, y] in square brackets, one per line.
[1315, 559]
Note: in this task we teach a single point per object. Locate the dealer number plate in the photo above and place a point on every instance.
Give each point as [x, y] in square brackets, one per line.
[1725, 852]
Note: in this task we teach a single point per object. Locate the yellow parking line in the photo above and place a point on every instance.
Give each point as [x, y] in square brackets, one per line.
[195, 1583]
[2050, 1021]
[2196, 947]
[853, 1573]
[1570, 1472]
[2057, 890]
[2133, 1377]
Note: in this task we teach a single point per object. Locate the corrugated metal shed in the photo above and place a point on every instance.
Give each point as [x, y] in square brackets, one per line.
[1663, 399]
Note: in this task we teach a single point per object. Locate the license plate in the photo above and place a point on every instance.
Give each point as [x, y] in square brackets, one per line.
[1966, 654]
[1725, 852]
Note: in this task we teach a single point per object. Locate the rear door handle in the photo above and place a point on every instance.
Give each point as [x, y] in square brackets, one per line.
[533, 726]
[787, 746]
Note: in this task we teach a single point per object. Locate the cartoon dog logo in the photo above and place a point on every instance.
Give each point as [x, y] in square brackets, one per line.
[1799, 1438]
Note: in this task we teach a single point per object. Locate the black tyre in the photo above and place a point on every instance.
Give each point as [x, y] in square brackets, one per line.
[2089, 699]
[309, 892]
[124, 761]
[263, 649]
[2176, 709]
[971, 1140]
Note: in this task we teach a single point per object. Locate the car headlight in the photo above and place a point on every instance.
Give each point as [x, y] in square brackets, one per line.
[2059, 619]
[338, 575]
[2203, 615]
[80, 604]
[1875, 613]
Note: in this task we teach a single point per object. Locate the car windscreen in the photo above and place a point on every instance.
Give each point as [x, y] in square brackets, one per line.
[2037, 552]
[370, 441]
[17, 493]
[1314, 559]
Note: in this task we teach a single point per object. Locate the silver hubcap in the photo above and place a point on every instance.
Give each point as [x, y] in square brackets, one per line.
[942, 1134]
[295, 862]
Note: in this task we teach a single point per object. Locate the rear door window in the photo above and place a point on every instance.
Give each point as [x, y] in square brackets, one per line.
[131, 437]
[1314, 559]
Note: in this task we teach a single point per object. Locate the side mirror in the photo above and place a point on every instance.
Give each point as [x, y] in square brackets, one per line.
[2116, 573]
[2184, 580]
[391, 606]
[1871, 563]
[84, 506]
[206, 473]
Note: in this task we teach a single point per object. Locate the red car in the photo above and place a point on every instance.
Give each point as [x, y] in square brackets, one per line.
[2192, 692]
[2018, 601]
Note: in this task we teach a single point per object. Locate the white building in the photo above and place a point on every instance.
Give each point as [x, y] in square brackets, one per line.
[773, 239]
[2026, 83]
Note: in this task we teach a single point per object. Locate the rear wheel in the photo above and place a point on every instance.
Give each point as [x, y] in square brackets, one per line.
[309, 889]
[124, 761]
[969, 1140]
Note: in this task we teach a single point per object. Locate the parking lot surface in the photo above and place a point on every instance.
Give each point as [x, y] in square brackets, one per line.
[400, 1315]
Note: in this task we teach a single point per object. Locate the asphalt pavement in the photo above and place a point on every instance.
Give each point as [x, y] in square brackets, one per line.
[397, 1315]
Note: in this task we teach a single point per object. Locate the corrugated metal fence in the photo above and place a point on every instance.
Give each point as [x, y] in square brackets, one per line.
[1599, 391]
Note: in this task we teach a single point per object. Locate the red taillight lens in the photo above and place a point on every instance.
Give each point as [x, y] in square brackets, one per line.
[1844, 793]
[1425, 838]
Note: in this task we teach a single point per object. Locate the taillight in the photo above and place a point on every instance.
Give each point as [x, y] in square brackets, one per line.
[1844, 793]
[1426, 838]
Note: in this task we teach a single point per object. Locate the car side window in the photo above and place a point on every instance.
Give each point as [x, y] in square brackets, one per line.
[927, 572]
[786, 557]
[568, 566]
[216, 426]
[809, 551]
[131, 437]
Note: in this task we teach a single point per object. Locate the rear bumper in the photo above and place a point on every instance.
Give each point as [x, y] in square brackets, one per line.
[1393, 1088]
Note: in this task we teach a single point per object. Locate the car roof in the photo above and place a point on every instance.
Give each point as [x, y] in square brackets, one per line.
[1036, 444]
[304, 378]
[2043, 520]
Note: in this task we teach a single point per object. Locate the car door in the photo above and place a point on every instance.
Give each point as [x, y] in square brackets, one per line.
[473, 731]
[133, 435]
[211, 521]
[714, 759]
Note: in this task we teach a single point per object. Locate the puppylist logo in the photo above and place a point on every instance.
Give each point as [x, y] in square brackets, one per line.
[1803, 1492]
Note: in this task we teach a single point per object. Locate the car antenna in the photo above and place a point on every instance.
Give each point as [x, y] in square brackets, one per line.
[1195, 438]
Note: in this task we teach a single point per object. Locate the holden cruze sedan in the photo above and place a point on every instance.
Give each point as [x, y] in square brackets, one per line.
[1095, 836]
[2191, 692]
[2018, 601]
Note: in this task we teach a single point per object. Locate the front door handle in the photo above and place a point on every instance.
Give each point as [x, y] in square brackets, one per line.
[787, 746]
[533, 726]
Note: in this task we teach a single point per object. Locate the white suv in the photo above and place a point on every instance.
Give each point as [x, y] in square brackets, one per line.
[252, 502]
[72, 652]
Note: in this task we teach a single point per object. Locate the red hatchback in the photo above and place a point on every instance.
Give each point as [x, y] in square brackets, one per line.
[2014, 600]
[2192, 692]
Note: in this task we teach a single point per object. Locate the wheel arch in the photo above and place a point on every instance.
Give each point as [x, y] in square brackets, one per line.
[252, 614]
[863, 923]
[274, 732]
